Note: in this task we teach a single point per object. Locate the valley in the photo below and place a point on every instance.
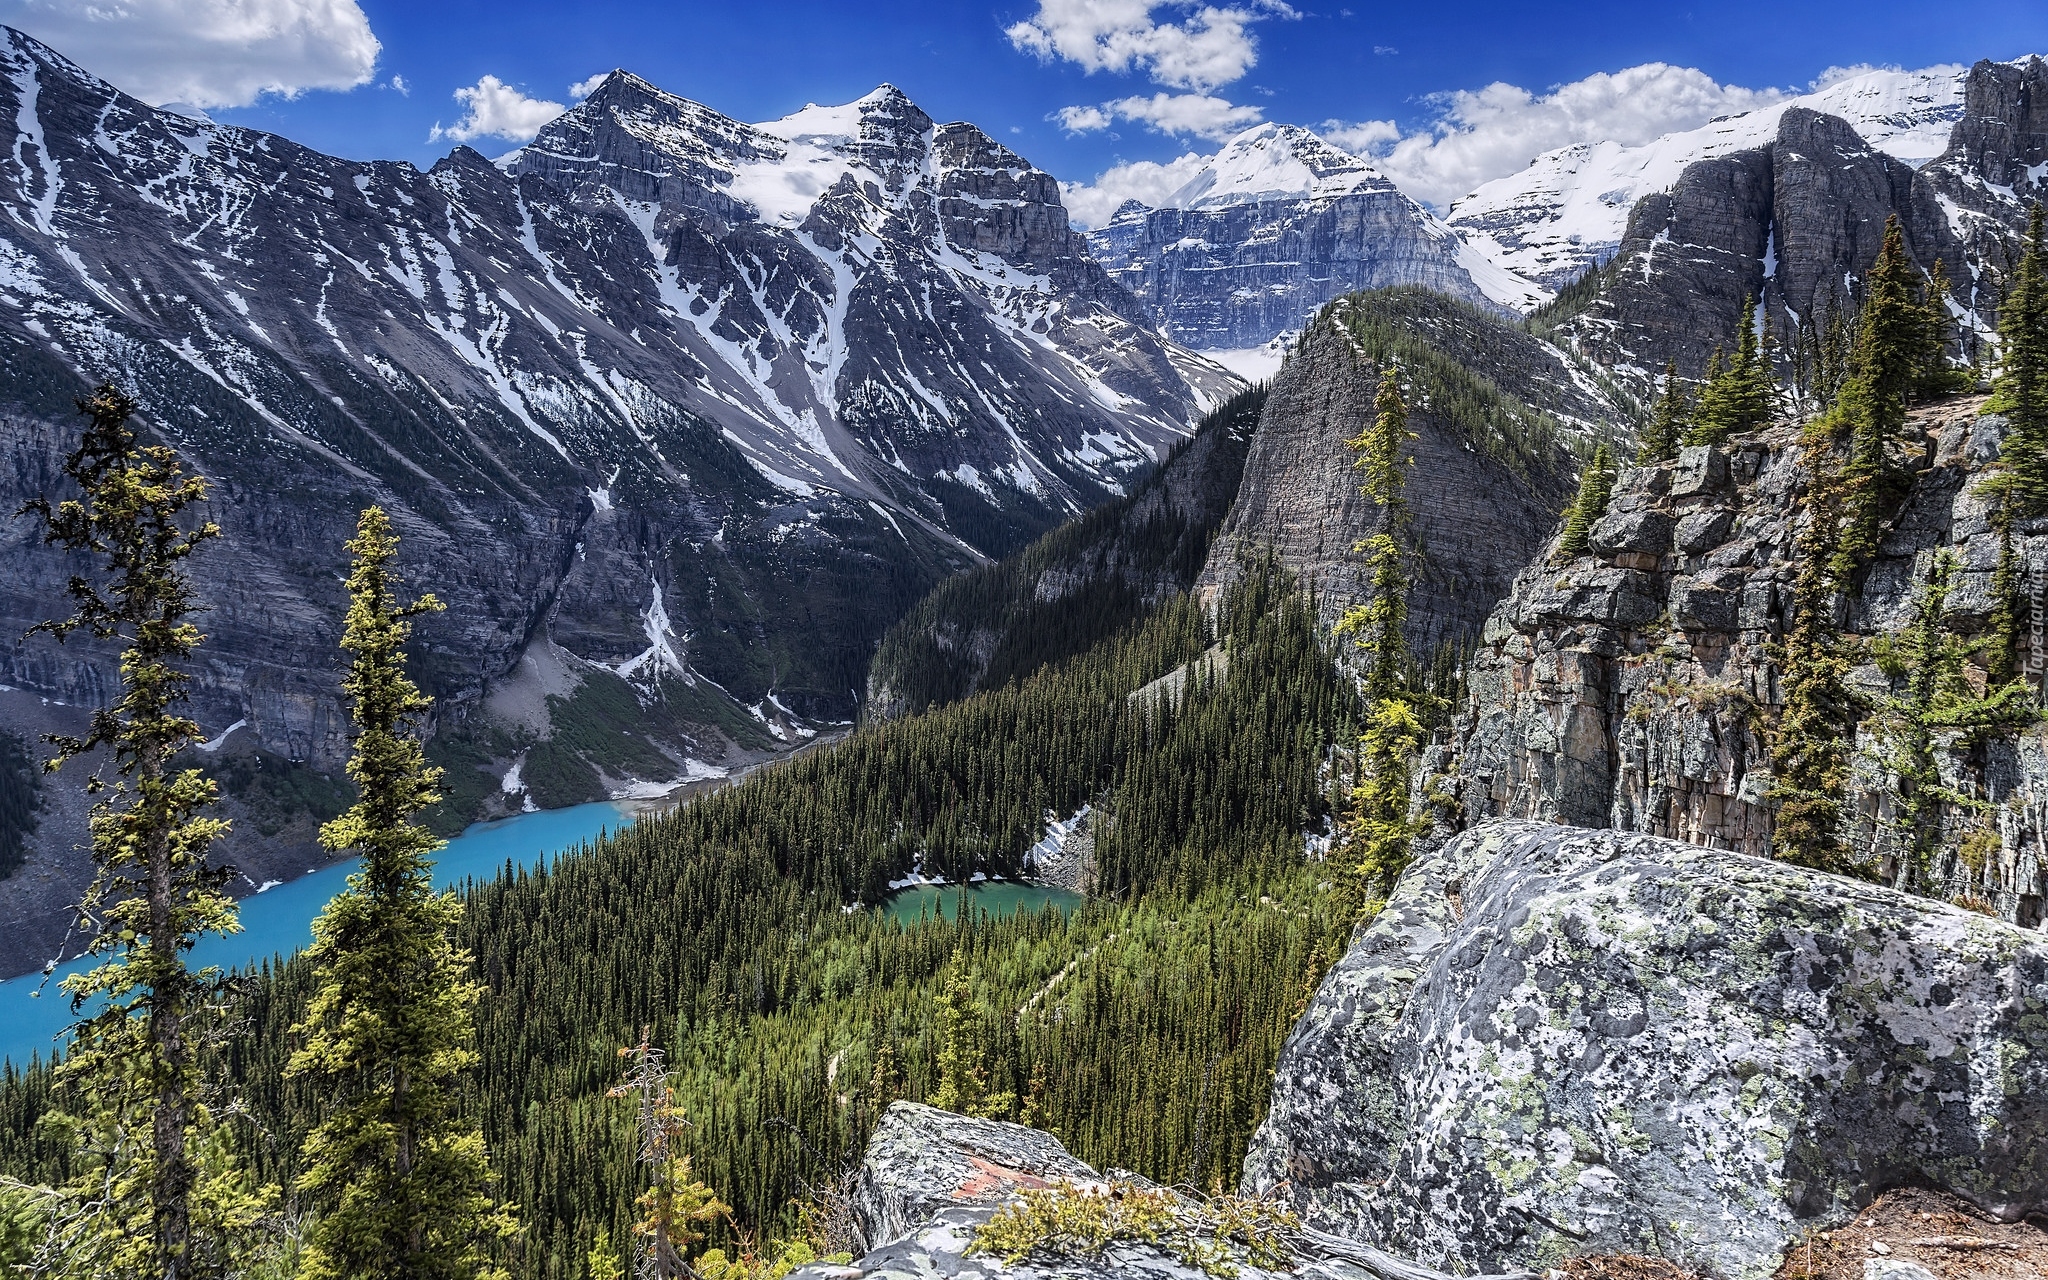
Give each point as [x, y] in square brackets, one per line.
[1294, 732]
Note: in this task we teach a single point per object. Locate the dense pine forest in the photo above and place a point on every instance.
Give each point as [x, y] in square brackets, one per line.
[742, 930]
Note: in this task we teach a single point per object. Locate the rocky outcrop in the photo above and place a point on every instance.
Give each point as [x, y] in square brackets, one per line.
[1493, 410]
[1555, 1041]
[930, 1177]
[1632, 687]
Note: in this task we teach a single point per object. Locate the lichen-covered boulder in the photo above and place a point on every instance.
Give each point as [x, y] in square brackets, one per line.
[1556, 1041]
[930, 1178]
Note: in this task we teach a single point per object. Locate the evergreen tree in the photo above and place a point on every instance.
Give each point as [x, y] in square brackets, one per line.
[1381, 829]
[1930, 661]
[1809, 747]
[1937, 376]
[676, 1209]
[403, 1180]
[2021, 480]
[1669, 422]
[2002, 637]
[155, 1192]
[1885, 365]
[962, 1062]
[1596, 487]
[1741, 395]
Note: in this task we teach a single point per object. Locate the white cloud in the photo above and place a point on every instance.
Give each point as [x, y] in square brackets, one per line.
[1359, 137]
[1486, 133]
[1082, 119]
[404, 89]
[1175, 114]
[1212, 46]
[497, 110]
[584, 88]
[208, 53]
[1090, 204]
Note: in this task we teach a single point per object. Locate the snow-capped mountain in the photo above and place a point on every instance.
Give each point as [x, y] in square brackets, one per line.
[662, 392]
[1570, 207]
[1274, 225]
[1796, 220]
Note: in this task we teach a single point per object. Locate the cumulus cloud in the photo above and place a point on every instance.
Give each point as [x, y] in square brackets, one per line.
[584, 88]
[497, 110]
[1360, 137]
[1212, 46]
[208, 53]
[1176, 114]
[1090, 204]
[1481, 134]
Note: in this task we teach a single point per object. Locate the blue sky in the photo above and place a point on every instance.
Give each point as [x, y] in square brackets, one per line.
[1163, 76]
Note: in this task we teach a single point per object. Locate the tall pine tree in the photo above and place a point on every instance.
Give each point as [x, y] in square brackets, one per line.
[155, 1194]
[1381, 829]
[1742, 394]
[1596, 488]
[1669, 422]
[402, 1180]
[2021, 481]
[1809, 743]
[1884, 367]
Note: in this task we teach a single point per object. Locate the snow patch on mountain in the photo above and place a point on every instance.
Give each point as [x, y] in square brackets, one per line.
[1568, 210]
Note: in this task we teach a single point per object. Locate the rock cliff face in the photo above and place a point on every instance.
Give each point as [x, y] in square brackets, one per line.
[1555, 1041]
[1278, 223]
[1797, 219]
[1632, 687]
[1494, 411]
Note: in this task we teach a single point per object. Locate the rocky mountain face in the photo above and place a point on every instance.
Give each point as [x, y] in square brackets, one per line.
[676, 413]
[1067, 590]
[1278, 223]
[1632, 687]
[1569, 209]
[1556, 1042]
[1796, 220]
[1495, 412]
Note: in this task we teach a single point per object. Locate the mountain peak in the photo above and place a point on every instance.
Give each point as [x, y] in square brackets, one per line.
[1276, 162]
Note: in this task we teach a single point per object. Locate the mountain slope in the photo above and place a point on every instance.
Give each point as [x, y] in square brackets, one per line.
[1569, 209]
[1276, 224]
[589, 390]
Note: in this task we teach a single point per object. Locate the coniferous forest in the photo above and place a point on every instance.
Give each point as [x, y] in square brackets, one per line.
[741, 935]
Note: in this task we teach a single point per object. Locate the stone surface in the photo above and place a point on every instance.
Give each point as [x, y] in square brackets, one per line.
[1474, 518]
[1555, 1041]
[930, 1177]
[1615, 692]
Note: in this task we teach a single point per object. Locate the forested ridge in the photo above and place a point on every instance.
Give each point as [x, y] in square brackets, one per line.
[1142, 1028]
[1077, 585]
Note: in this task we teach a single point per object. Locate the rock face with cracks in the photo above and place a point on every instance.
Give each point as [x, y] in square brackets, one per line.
[1556, 1041]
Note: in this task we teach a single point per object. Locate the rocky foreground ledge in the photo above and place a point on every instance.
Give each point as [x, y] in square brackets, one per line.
[1557, 1042]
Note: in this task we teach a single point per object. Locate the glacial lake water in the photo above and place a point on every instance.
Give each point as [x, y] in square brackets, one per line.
[998, 898]
[279, 921]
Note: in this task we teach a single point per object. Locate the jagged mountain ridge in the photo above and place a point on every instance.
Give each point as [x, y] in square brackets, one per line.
[598, 387]
[1276, 224]
[1569, 208]
[1797, 220]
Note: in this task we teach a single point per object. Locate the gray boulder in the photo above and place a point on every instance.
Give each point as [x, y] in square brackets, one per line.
[1557, 1041]
[930, 1177]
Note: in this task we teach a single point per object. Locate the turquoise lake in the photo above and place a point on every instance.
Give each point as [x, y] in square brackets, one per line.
[278, 922]
[998, 898]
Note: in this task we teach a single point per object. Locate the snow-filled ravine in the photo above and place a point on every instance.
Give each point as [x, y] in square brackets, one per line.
[279, 921]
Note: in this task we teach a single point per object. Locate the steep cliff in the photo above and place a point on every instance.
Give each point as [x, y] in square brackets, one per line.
[1496, 414]
[1633, 687]
[1796, 220]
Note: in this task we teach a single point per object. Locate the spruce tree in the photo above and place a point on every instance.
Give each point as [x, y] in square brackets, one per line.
[1809, 743]
[1712, 417]
[1937, 377]
[1742, 394]
[1885, 365]
[1596, 487]
[156, 1192]
[1669, 422]
[402, 1179]
[2021, 393]
[1381, 830]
